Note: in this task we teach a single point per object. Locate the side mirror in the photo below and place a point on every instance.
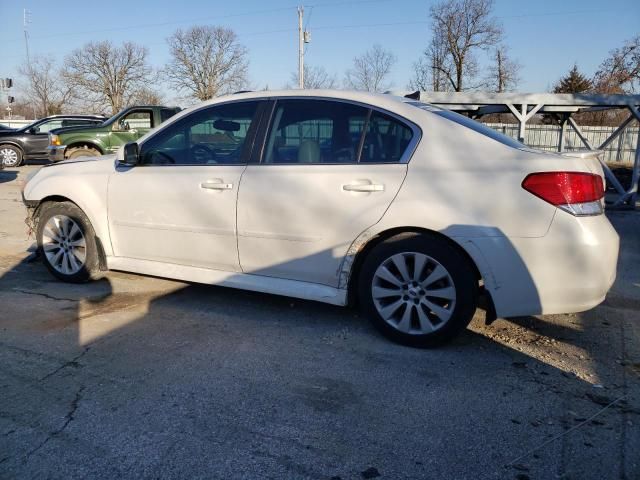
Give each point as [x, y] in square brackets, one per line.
[33, 130]
[130, 154]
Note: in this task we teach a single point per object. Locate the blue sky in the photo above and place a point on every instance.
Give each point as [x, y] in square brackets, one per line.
[545, 36]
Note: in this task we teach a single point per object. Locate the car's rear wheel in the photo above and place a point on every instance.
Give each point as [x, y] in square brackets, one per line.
[78, 152]
[418, 289]
[10, 156]
[67, 242]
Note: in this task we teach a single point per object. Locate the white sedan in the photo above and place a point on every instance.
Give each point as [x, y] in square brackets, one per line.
[410, 211]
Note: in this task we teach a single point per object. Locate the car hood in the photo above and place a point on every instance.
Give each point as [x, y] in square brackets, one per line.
[7, 133]
[101, 158]
[79, 128]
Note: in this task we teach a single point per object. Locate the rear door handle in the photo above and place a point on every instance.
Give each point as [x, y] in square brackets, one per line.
[211, 185]
[366, 187]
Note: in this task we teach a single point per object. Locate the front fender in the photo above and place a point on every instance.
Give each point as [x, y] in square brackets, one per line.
[83, 183]
[74, 140]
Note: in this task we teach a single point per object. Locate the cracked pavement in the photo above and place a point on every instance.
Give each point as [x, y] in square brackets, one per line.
[138, 377]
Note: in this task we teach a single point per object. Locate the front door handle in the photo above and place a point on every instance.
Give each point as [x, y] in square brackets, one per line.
[216, 185]
[363, 187]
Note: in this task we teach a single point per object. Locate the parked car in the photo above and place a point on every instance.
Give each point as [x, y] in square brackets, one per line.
[30, 142]
[408, 210]
[126, 126]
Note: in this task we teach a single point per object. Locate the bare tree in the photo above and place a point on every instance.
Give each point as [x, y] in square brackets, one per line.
[45, 88]
[207, 61]
[460, 28]
[146, 96]
[429, 69]
[371, 70]
[104, 74]
[504, 73]
[620, 72]
[314, 77]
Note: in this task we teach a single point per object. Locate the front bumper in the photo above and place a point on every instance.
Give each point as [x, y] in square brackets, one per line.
[56, 153]
[570, 269]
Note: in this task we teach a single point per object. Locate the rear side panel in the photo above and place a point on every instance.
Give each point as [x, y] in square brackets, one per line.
[533, 257]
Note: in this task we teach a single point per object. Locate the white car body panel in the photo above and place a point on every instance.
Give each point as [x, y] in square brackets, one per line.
[297, 221]
[197, 224]
[533, 258]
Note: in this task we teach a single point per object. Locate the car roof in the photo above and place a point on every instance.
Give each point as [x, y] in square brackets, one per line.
[353, 95]
[73, 115]
[392, 103]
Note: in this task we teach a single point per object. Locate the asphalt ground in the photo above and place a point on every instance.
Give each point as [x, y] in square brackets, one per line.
[138, 377]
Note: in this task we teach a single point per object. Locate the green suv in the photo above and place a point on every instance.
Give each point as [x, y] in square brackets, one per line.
[124, 127]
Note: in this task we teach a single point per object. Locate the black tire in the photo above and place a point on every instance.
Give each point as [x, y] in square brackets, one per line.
[90, 265]
[78, 152]
[15, 152]
[461, 276]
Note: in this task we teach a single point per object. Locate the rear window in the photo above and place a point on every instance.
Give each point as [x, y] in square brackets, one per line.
[472, 125]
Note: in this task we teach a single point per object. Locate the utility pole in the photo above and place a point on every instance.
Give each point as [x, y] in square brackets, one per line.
[300, 48]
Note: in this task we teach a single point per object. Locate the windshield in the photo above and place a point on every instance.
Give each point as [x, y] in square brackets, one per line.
[472, 124]
[112, 119]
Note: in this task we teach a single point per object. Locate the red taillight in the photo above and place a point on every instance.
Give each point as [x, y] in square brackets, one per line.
[565, 189]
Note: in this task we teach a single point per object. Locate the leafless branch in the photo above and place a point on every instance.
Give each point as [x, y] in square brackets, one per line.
[207, 61]
[460, 28]
[45, 87]
[314, 77]
[371, 70]
[108, 75]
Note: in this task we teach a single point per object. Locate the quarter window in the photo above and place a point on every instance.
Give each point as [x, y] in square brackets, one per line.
[386, 139]
[216, 135]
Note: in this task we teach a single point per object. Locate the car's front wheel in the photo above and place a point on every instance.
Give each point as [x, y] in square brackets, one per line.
[78, 152]
[66, 242]
[10, 156]
[418, 289]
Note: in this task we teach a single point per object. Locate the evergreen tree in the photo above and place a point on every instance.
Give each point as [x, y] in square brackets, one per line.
[573, 82]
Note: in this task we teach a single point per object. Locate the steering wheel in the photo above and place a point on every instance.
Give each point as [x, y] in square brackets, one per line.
[169, 159]
[203, 153]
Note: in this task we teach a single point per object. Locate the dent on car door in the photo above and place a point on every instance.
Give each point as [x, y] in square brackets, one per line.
[329, 171]
[179, 205]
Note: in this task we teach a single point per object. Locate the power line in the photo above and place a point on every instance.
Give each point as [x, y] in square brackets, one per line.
[202, 19]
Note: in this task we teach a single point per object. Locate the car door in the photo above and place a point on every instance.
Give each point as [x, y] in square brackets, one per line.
[131, 127]
[328, 171]
[179, 205]
[36, 139]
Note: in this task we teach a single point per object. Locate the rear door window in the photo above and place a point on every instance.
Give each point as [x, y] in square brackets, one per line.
[315, 131]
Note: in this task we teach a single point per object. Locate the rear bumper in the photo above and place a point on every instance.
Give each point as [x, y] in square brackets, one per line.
[570, 269]
[56, 153]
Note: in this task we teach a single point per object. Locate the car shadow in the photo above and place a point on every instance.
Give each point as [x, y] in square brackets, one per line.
[8, 175]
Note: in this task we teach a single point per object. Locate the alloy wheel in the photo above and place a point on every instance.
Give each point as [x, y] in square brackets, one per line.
[64, 245]
[413, 292]
[9, 157]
